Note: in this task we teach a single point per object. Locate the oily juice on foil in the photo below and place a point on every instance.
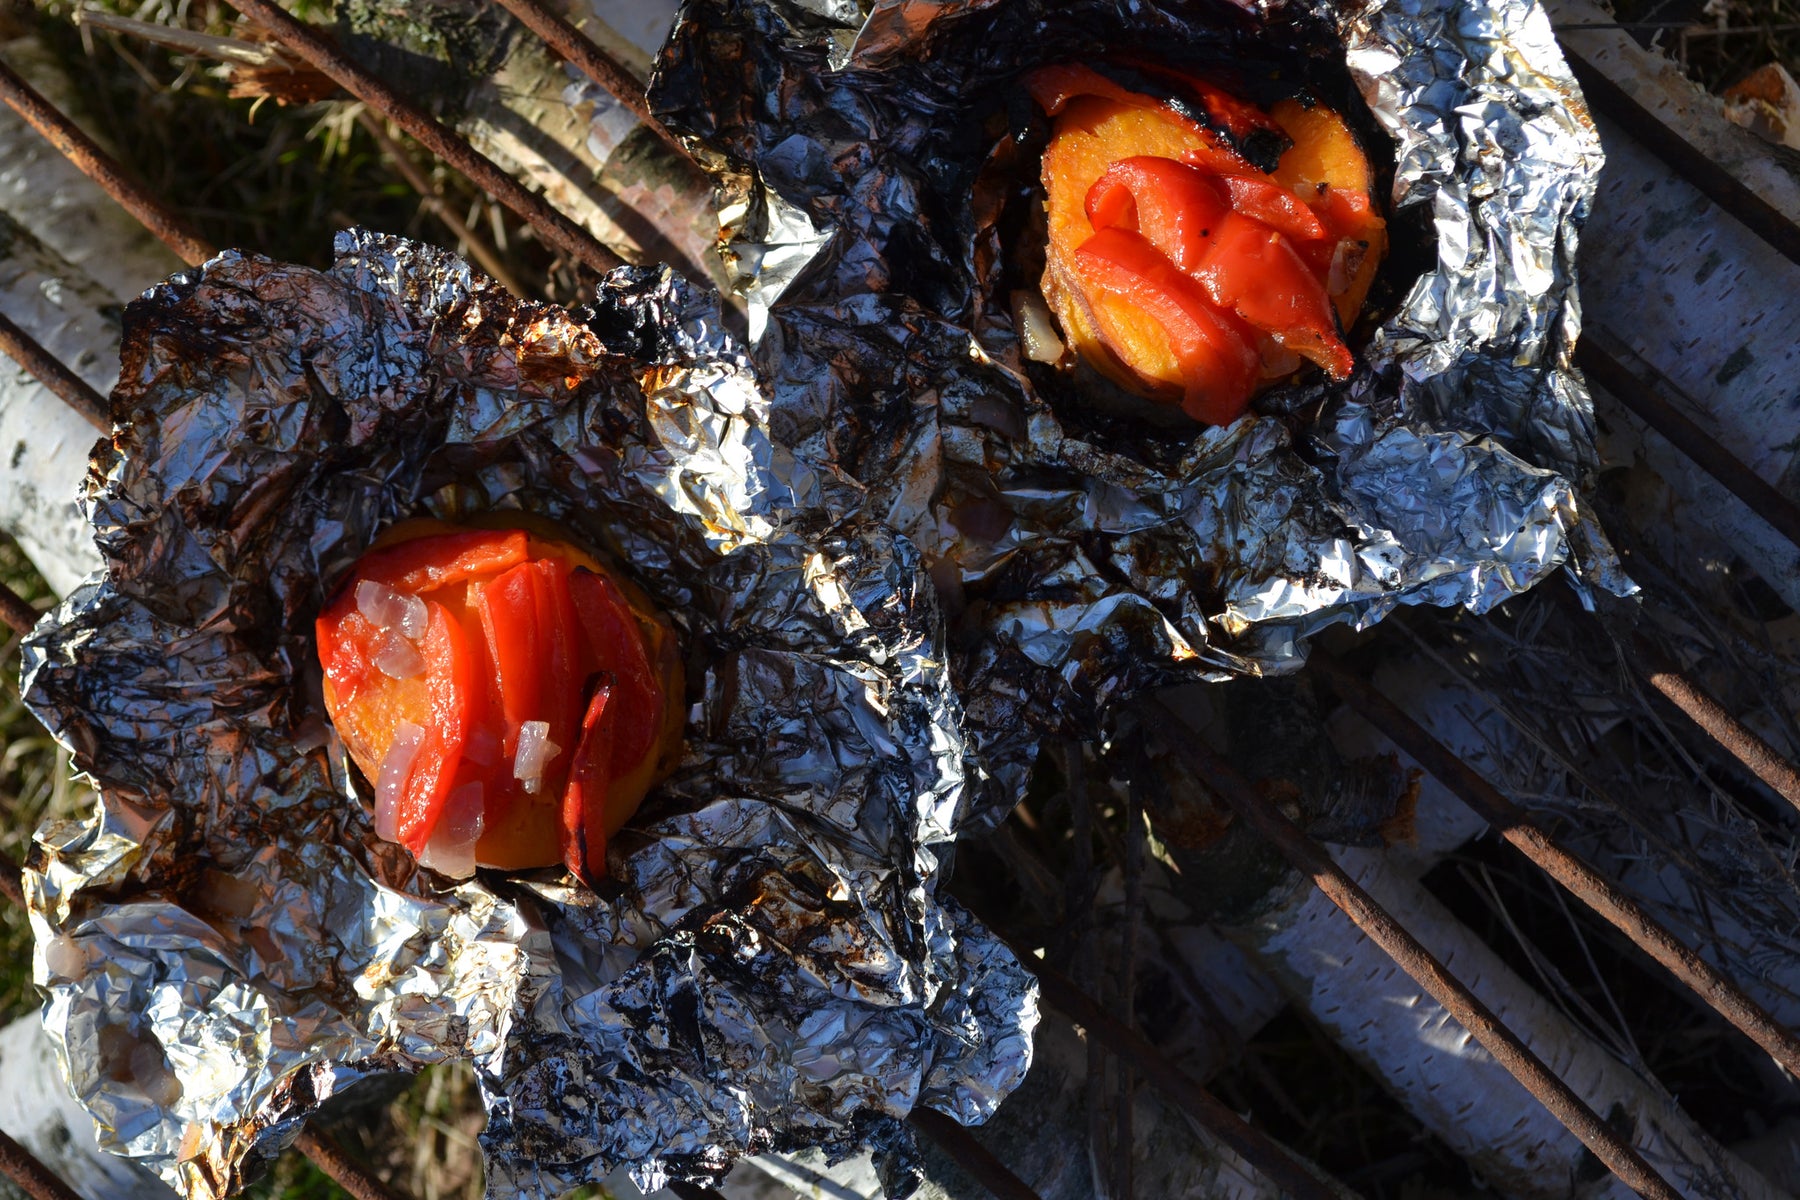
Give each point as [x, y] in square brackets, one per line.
[872, 214]
[226, 944]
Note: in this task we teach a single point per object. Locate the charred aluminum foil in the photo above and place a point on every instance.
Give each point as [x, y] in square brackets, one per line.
[864, 156]
[226, 944]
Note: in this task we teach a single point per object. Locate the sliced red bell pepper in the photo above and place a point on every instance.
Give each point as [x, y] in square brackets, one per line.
[591, 772]
[428, 563]
[617, 642]
[1265, 200]
[452, 686]
[509, 619]
[561, 672]
[1219, 368]
[345, 640]
[1255, 272]
[1345, 212]
[1175, 206]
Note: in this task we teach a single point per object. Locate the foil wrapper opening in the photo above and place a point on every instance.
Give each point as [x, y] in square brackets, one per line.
[862, 155]
[226, 944]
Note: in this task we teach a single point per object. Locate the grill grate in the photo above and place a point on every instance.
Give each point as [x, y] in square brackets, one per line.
[1637, 385]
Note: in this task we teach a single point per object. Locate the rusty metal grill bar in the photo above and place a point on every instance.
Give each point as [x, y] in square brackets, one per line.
[49, 370]
[33, 1177]
[562, 233]
[1307, 856]
[1581, 879]
[571, 239]
[592, 61]
[18, 615]
[970, 1155]
[102, 168]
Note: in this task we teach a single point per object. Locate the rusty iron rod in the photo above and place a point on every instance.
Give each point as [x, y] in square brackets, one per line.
[1694, 165]
[15, 612]
[1645, 397]
[327, 1155]
[49, 370]
[559, 231]
[1411, 956]
[33, 1177]
[971, 1155]
[1579, 877]
[599, 66]
[103, 169]
[1737, 739]
[1268, 1156]
[1699, 706]
[478, 246]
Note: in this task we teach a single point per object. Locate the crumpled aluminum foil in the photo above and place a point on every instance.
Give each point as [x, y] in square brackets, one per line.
[863, 153]
[226, 943]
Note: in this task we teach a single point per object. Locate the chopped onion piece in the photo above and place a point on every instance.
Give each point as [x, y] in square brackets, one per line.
[389, 610]
[451, 849]
[1037, 329]
[397, 658]
[535, 752]
[395, 767]
[64, 957]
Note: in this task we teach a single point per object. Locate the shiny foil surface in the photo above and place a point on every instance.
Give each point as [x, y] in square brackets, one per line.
[226, 944]
[864, 155]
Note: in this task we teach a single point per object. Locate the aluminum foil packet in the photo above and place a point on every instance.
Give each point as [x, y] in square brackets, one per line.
[869, 159]
[226, 944]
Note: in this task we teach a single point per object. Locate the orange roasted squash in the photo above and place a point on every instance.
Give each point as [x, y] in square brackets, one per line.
[510, 699]
[1181, 271]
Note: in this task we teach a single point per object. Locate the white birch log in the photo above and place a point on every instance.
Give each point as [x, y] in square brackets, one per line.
[62, 208]
[44, 444]
[1382, 1018]
[38, 1112]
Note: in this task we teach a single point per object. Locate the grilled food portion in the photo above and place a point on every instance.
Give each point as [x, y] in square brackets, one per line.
[510, 698]
[1177, 266]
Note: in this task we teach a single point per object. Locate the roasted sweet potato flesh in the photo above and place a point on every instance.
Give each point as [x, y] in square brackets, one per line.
[1122, 161]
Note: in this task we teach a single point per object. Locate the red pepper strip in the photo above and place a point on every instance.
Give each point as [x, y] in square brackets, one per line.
[345, 640]
[1256, 273]
[1173, 205]
[1346, 212]
[1267, 201]
[428, 563]
[509, 619]
[617, 642]
[1219, 369]
[559, 641]
[451, 684]
[584, 796]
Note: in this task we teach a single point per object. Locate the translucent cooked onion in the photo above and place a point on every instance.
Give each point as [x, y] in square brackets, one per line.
[1037, 329]
[451, 849]
[391, 611]
[534, 754]
[396, 657]
[396, 765]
